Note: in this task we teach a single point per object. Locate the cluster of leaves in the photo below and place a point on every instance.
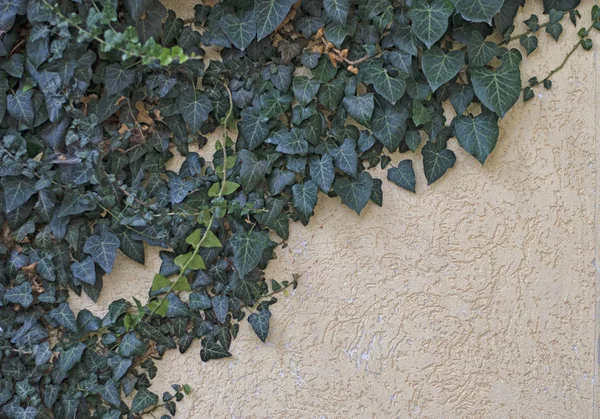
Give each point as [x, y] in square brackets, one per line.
[95, 96]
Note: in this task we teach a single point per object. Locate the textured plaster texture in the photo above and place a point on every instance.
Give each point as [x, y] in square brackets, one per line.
[474, 298]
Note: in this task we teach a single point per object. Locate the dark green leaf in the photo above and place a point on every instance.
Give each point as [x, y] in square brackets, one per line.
[497, 89]
[322, 172]
[403, 175]
[220, 305]
[142, 400]
[480, 52]
[103, 249]
[293, 143]
[20, 106]
[360, 107]
[85, 270]
[17, 191]
[240, 31]
[439, 67]
[69, 358]
[391, 88]
[212, 350]
[194, 107]
[436, 162]
[345, 156]
[269, 14]
[117, 79]
[530, 43]
[355, 193]
[563, 5]
[337, 10]
[430, 20]
[132, 346]
[461, 96]
[63, 315]
[253, 171]
[477, 135]
[389, 125]
[21, 294]
[260, 323]
[304, 199]
[478, 10]
[248, 248]
[305, 89]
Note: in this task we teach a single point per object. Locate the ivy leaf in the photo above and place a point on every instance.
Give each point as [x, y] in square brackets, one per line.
[220, 305]
[497, 89]
[293, 143]
[194, 108]
[212, 350]
[403, 175]
[439, 67]
[69, 358]
[562, 5]
[477, 135]
[530, 43]
[20, 106]
[109, 391]
[461, 96]
[355, 193]
[322, 172]
[132, 346]
[430, 20]
[260, 323]
[480, 52]
[360, 107]
[253, 128]
[21, 294]
[103, 249]
[132, 248]
[274, 104]
[269, 14]
[63, 315]
[248, 248]
[389, 125]
[85, 270]
[74, 204]
[421, 114]
[505, 17]
[391, 88]
[305, 89]
[17, 191]
[337, 10]
[304, 199]
[478, 10]
[143, 399]
[345, 157]
[554, 28]
[436, 162]
[253, 171]
[117, 79]
[240, 31]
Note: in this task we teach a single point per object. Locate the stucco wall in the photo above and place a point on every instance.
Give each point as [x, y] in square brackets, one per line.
[473, 298]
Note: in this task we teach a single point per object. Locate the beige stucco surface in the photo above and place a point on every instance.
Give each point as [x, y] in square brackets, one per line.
[474, 298]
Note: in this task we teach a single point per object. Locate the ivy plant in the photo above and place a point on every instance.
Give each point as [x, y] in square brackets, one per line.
[96, 96]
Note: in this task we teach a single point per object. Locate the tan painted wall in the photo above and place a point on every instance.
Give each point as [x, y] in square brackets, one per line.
[473, 298]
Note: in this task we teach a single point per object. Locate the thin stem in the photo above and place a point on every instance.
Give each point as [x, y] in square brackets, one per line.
[213, 216]
[529, 31]
[562, 65]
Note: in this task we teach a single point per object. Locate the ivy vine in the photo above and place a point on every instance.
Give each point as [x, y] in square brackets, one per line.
[96, 96]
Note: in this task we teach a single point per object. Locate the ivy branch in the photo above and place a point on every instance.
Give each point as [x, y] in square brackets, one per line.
[214, 213]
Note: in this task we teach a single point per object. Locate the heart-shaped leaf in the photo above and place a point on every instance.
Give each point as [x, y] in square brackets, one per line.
[477, 135]
[355, 193]
[403, 175]
[440, 67]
